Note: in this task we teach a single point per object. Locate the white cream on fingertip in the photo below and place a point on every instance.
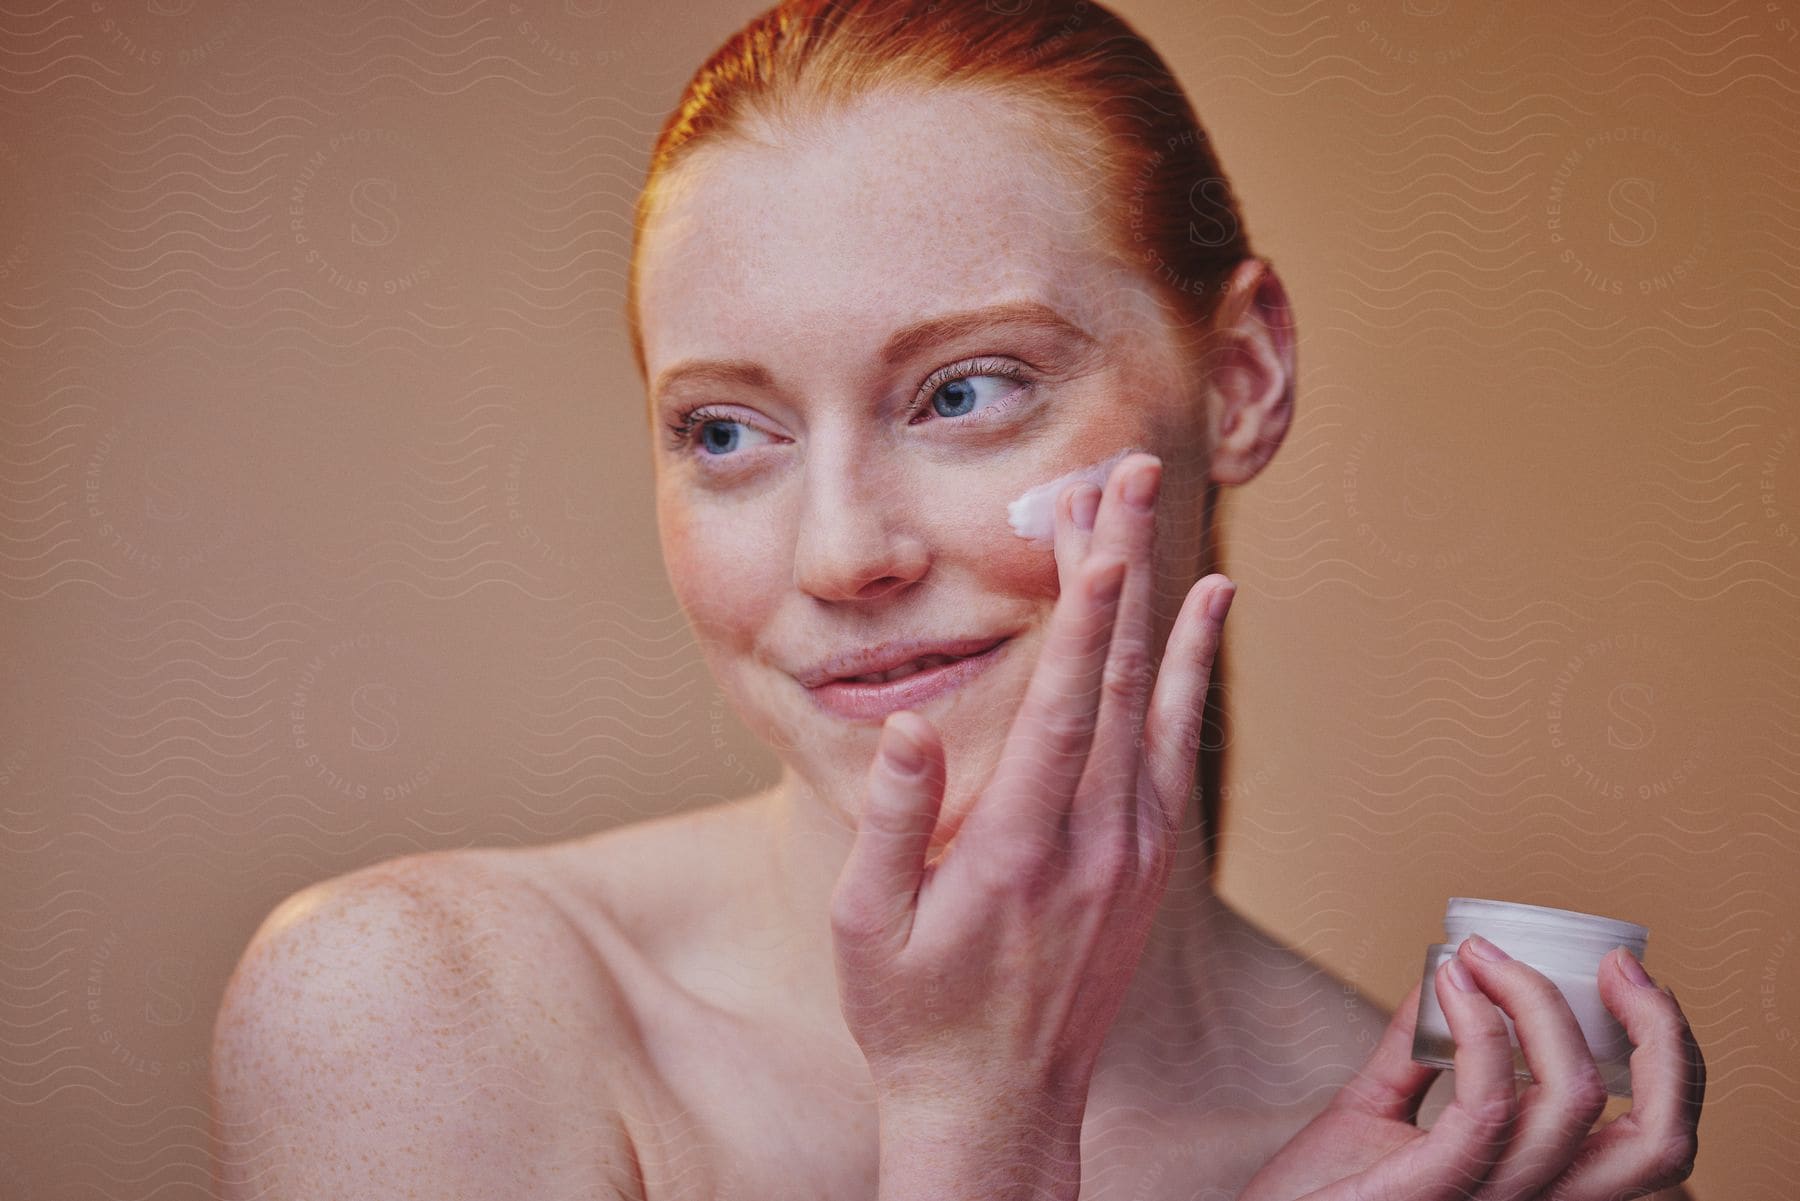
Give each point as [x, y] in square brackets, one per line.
[1033, 514]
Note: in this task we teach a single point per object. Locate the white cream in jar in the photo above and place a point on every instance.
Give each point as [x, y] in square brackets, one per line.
[1566, 947]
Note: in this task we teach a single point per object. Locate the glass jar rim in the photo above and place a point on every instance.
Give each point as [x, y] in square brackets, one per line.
[1467, 911]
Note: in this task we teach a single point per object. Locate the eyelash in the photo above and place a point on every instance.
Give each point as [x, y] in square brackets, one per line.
[683, 427]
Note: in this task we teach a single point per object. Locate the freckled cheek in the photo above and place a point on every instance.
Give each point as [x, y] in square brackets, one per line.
[723, 574]
[981, 538]
[1012, 566]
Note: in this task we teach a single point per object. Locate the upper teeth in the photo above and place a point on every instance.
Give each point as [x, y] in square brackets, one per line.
[904, 670]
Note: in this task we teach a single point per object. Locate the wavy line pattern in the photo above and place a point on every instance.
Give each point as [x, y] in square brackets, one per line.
[328, 537]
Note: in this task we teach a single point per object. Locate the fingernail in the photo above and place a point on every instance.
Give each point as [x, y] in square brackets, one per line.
[1486, 949]
[1634, 971]
[1084, 505]
[1141, 484]
[1459, 975]
[1220, 603]
[900, 750]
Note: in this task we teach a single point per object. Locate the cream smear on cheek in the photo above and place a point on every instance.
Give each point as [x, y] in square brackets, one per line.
[1033, 514]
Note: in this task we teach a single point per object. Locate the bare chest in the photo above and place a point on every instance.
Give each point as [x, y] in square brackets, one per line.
[760, 1115]
[742, 1096]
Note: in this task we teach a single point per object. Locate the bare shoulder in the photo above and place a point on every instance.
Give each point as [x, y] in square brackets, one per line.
[665, 887]
[635, 859]
[1324, 1026]
[427, 1025]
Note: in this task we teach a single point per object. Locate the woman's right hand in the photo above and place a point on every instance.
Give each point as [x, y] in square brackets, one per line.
[1491, 1144]
[980, 986]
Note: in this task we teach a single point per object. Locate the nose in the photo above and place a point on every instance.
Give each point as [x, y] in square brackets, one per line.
[856, 538]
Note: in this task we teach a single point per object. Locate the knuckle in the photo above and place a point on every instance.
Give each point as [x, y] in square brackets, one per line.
[1668, 1024]
[1492, 1112]
[1192, 732]
[853, 920]
[1096, 569]
[1368, 1091]
[1490, 1038]
[1159, 832]
[1019, 870]
[1582, 1099]
[1674, 1158]
[1092, 887]
[1105, 871]
[1127, 671]
[1066, 726]
[1674, 1004]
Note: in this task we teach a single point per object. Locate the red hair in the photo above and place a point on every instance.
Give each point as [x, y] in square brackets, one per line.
[1101, 99]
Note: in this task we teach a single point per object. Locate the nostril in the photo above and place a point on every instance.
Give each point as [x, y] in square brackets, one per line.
[875, 589]
[850, 551]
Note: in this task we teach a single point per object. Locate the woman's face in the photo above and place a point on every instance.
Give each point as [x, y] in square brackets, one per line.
[846, 477]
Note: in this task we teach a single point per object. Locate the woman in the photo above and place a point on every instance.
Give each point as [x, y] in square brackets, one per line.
[898, 264]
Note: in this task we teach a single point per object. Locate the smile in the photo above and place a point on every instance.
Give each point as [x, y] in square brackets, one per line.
[872, 697]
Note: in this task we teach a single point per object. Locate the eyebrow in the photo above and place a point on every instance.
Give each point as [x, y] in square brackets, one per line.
[903, 344]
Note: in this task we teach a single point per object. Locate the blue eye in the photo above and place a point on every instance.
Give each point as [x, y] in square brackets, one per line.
[720, 445]
[717, 433]
[957, 397]
[950, 393]
[953, 392]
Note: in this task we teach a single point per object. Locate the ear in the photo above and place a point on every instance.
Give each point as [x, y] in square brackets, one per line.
[1249, 372]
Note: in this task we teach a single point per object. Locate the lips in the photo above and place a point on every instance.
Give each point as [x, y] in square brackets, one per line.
[875, 662]
[869, 696]
[911, 667]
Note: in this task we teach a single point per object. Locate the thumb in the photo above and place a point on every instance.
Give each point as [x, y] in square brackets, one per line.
[876, 897]
[1391, 1084]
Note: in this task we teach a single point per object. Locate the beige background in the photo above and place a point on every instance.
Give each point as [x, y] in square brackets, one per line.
[326, 529]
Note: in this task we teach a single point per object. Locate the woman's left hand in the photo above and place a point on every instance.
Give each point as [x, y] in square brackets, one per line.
[1492, 1143]
[986, 982]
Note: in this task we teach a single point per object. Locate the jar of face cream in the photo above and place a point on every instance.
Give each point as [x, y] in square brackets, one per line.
[1566, 947]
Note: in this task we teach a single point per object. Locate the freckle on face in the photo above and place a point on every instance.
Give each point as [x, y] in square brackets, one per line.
[804, 259]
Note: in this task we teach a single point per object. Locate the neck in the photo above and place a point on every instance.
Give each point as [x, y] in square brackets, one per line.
[1169, 1008]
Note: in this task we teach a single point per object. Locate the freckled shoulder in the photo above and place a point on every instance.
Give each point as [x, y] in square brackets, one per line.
[427, 1026]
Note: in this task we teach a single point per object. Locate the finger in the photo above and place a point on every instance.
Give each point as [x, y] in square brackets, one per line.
[1172, 727]
[1391, 1084]
[1022, 812]
[1465, 1142]
[876, 897]
[1652, 1145]
[1566, 1095]
[1668, 1072]
[1075, 511]
[1125, 527]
